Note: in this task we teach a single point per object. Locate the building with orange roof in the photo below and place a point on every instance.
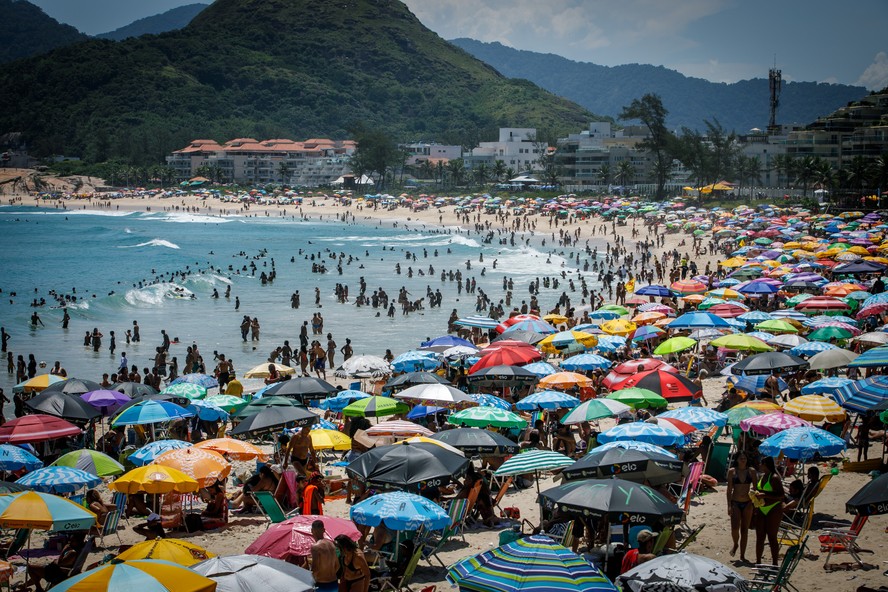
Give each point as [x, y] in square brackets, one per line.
[312, 163]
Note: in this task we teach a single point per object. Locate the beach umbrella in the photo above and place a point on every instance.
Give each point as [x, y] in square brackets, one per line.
[36, 428]
[802, 443]
[682, 572]
[570, 341]
[754, 384]
[13, 458]
[233, 449]
[134, 389]
[427, 440]
[506, 356]
[293, 538]
[272, 419]
[641, 431]
[633, 445]
[398, 511]
[477, 321]
[829, 333]
[439, 395]
[829, 385]
[145, 575]
[701, 334]
[477, 441]
[754, 316]
[776, 326]
[147, 453]
[533, 461]
[758, 287]
[530, 337]
[877, 356]
[173, 550]
[595, 409]
[329, 440]
[54, 479]
[204, 466]
[257, 405]
[58, 404]
[43, 511]
[873, 337]
[73, 386]
[92, 461]
[785, 340]
[376, 406]
[407, 466]
[700, 417]
[726, 310]
[525, 324]
[205, 411]
[303, 387]
[416, 361]
[858, 268]
[447, 340]
[530, 564]
[770, 423]
[698, 320]
[822, 304]
[672, 387]
[106, 401]
[811, 348]
[342, 399]
[203, 380]
[261, 371]
[833, 358]
[363, 367]
[564, 381]
[154, 478]
[585, 362]
[618, 500]
[620, 310]
[871, 499]
[547, 400]
[150, 412]
[646, 332]
[741, 342]
[621, 327]
[815, 408]
[8, 487]
[673, 345]
[638, 398]
[485, 400]
[503, 376]
[412, 378]
[251, 573]
[633, 465]
[484, 417]
[185, 390]
[228, 403]
[686, 287]
[654, 290]
[862, 395]
[37, 384]
[398, 428]
[766, 363]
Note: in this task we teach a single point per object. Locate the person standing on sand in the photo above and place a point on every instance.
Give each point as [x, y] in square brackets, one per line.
[769, 496]
[740, 508]
[324, 562]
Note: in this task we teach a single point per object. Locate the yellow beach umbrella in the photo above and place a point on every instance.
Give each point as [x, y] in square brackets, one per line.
[815, 408]
[261, 371]
[763, 406]
[174, 550]
[329, 440]
[154, 478]
[733, 262]
[792, 245]
[204, 466]
[555, 319]
[619, 327]
[44, 511]
[233, 449]
[38, 383]
[565, 340]
[139, 575]
[858, 250]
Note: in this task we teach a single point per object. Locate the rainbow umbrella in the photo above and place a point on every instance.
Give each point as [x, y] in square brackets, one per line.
[144, 575]
[174, 550]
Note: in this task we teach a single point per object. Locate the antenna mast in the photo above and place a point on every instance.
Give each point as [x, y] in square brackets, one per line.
[775, 84]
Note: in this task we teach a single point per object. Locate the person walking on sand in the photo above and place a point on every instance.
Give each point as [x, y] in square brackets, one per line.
[324, 562]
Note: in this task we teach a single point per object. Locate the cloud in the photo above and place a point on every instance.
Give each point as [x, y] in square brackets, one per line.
[875, 77]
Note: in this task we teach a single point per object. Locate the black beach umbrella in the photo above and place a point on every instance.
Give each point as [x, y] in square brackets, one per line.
[133, 389]
[407, 466]
[767, 362]
[257, 405]
[871, 499]
[504, 376]
[621, 501]
[409, 379]
[70, 407]
[858, 268]
[531, 337]
[304, 387]
[273, 419]
[477, 441]
[73, 386]
[629, 464]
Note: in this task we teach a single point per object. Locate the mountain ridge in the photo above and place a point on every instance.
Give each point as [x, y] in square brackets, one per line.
[164, 22]
[27, 31]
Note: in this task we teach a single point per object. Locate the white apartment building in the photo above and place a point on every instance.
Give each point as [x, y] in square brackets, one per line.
[515, 147]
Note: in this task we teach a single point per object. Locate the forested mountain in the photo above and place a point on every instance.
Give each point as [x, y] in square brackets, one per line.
[25, 30]
[606, 90]
[171, 20]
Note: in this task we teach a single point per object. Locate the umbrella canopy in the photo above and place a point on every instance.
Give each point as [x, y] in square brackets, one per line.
[877, 356]
[633, 465]
[58, 480]
[682, 571]
[439, 395]
[186, 390]
[154, 478]
[672, 387]
[329, 440]
[832, 358]
[638, 398]
[228, 403]
[376, 407]
[411, 378]
[134, 389]
[92, 461]
[43, 511]
[767, 362]
[173, 550]
[106, 401]
[698, 320]
[585, 362]
[407, 466]
[486, 400]
[863, 395]
[530, 564]
[399, 510]
[570, 341]
[149, 412]
[398, 428]
[547, 400]
[503, 376]
[871, 499]
[564, 380]
[59, 404]
[145, 575]
[13, 458]
[741, 342]
[829, 385]
[36, 428]
[641, 431]
[617, 499]
[700, 417]
[304, 387]
[257, 405]
[73, 386]
[478, 441]
[293, 538]
[484, 417]
[261, 371]
[532, 461]
[363, 367]
[204, 466]
[507, 356]
[632, 445]
[771, 423]
[802, 443]
[272, 419]
[815, 408]
[416, 361]
[251, 573]
[147, 453]
[595, 409]
[38, 383]
[674, 345]
[342, 399]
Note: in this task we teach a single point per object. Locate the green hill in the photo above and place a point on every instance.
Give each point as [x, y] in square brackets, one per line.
[25, 30]
[606, 90]
[266, 69]
[171, 20]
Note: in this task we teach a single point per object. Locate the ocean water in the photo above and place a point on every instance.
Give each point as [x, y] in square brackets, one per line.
[105, 254]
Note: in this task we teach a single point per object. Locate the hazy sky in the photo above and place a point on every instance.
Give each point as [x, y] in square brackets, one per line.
[720, 40]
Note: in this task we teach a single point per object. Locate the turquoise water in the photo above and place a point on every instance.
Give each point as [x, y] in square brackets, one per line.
[104, 255]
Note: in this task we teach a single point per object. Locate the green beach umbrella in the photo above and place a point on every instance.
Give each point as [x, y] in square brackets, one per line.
[594, 409]
[534, 461]
[92, 461]
[709, 302]
[827, 333]
[375, 407]
[741, 342]
[776, 326]
[482, 417]
[738, 414]
[186, 390]
[674, 345]
[229, 403]
[615, 308]
[638, 398]
[798, 299]
[257, 405]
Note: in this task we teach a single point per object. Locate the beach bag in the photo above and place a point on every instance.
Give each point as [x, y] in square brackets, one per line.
[512, 513]
[193, 523]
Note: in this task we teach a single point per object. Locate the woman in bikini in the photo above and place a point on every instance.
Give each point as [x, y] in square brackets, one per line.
[769, 509]
[355, 571]
[740, 480]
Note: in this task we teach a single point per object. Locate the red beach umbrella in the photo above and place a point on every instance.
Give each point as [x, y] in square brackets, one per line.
[633, 367]
[672, 387]
[821, 303]
[507, 356]
[36, 428]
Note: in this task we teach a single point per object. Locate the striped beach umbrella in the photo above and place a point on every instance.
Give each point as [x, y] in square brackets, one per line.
[878, 356]
[641, 431]
[632, 445]
[398, 428]
[862, 395]
[826, 386]
[811, 348]
[44, 511]
[699, 417]
[147, 453]
[233, 449]
[485, 400]
[815, 408]
[228, 403]
[58, 480]
[145, 575]
[565, 380]
[685, 287]
[150, 412]
[802, 444]
[92, 461]
[204, 380]
[530, 564]
[375, 407]
[13, 458]
[771, 423]
[175, 550]
[204, 466]
[534, 461]
[547, 400]
[594, 409]
[541, 369]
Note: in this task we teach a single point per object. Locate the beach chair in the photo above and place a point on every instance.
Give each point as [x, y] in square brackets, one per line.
[432, 545]
[17, 543]
[688, 488]
[502, 493]
[561, 533]
[773, 578]
[172, 516]
[386, 583]
[88, 547]
[837, 540]
[110, 527]
[471, 500]
[692, 536]
[792, 533]
[662, 541]
[78, 499]
[287, 490]
[270, 507]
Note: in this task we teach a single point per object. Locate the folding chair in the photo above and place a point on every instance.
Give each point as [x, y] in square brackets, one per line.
[270, 507]
[385, 583]
[690, 538]
[120, 503]
[471, 500]
[791, 533]
[662, 540]
[835, 540]
[772, 578]
[77, 567]
[110, 527]
[564, 535]
[18, 542]
[502, 493]
[688, 488]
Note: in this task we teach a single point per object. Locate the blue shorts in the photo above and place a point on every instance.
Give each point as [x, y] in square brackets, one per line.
[330, 587]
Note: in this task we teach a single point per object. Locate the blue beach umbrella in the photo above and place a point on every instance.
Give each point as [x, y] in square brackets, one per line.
[755, 316]
[826, 386]
[604, 315]
[485, 400]
[812, 347]
[150, 412]
[481, 322]
[58, 480]
[207, 411]
[447, 340]
[547, 400]
[541, 369]
[654, 290]
[758, 288]
[13, 458]
[585, 362]
[763, 335]
[699, 417]
[754, 384]
[641, 431]
[342, 399]
[421, 411]
[398, 511]
[32, 509]
[204, 380]
[699, 320]
[863, 395]
[147, 453]
[802, 443]
[878, 356]
[415, 361]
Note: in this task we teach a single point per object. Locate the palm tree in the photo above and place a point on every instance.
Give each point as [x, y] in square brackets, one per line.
[482, 173]
[456, 170]
[426, 169]
[284, 172]
[859, 173]
[499, 169]
[603, 176]
[625, 172]
[439, 172]
[806, 171]
[748, 169]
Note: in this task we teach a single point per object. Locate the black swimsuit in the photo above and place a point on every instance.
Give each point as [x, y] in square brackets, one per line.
[736, 480]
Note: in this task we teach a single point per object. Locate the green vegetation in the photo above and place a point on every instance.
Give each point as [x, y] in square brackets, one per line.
[171, 20]
[267, 69]
[26, 31]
